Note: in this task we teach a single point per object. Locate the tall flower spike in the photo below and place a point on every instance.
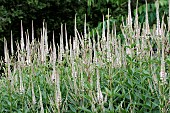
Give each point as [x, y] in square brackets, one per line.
[22, 45]
[66, 47]
[158, 31]
[99, 93]
[5, 51]
[116, 52]
[136, 19]
[74, 47]
[61, 44]
[28, 48]
[147, 20]
[7, 60]
[12, 47]
[21, 82]
[120, 53]
[79, 41]
[85, 30]
[112, 45]
[103, 30]
[57, 91]
[54, 60]
[42, 45]
[129, 14]
[39, 55]
[22, 38]
[75, 41]
[162, 28]
[82, 80]
[9, 72]
[54, 50]
[18, 53]
[74, 75]
[41, 102]
[51, 54]
[71, 51]
[46, 41]
[108, 39]
[94, 49]
[163, 74]
[33, 95]
[57, 100]
[90, 48]
[32, 32]
[98, 41]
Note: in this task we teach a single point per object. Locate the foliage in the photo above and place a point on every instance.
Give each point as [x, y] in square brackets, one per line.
[107, 75]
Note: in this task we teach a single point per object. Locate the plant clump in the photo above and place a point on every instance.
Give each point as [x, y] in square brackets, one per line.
[107, 73]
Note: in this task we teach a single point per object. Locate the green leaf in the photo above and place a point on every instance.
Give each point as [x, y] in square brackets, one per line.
[145, 72]
[133, 45]
[168, 60]
[84, 109]
[87, 97]
[108, 91]
[72, 108]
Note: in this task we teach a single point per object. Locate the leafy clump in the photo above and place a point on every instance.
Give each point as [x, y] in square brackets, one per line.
[107, 73]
